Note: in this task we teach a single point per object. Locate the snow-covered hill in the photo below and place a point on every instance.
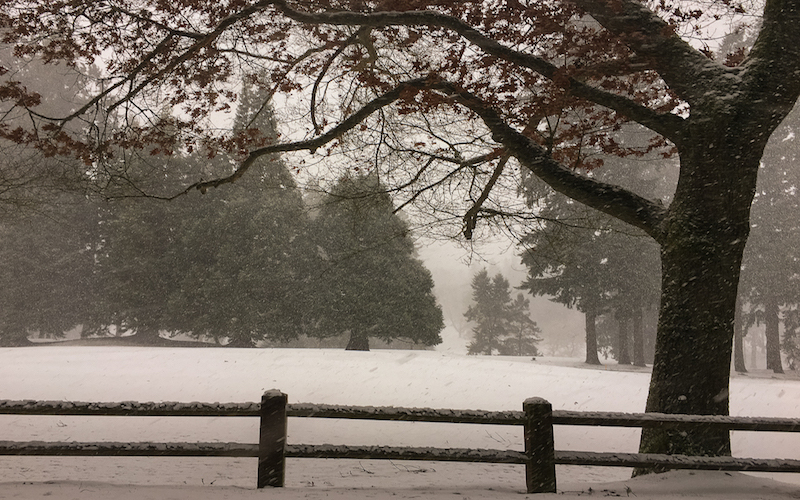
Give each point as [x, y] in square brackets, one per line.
[398, 378]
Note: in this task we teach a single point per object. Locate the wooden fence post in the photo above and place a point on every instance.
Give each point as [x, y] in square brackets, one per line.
[540, 471]
[272, 439]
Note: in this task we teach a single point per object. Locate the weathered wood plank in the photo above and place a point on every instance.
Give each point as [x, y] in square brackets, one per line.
[612, 419]
[406, 414]
[129, 408]
[676, 461]
[141, 449]
[406, 453]
[560, 417]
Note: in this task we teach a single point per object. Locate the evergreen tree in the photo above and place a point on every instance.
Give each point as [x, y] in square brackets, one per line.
[502, 324]
[771, 265]
[48, 271]
[523, 333]
[369, 282]
[32, 180]
[228, 265]
[247, 250]
[582, 258]
[489, 297]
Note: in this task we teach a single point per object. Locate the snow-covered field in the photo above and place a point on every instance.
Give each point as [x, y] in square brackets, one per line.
[398, 378]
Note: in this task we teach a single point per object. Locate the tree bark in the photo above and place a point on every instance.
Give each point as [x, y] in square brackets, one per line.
[591, 337]
[738, 340]
[638, 338]
[772, 334]
[358, 342]
[701, 255]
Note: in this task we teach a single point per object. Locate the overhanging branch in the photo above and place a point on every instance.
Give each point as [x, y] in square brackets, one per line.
[665, 124]
[313, 144]
[680, 65]
[607, 198]
[613, 200]
[471, 217]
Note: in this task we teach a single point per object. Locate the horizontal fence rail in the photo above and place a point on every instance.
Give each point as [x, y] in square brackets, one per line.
[129, 409]
[560, 417]
[407, 453]
[141, 449]
[675, 461]
[406, 414]
[537, 419]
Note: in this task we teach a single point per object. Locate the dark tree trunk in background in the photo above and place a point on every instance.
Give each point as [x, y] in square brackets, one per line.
[147, 336]
[358, 342]
[591, 337]
[772, 334]
[240, 342]
[623, 348]
[738, 340]
[638, 338]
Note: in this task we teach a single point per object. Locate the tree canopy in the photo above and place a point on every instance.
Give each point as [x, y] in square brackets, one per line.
[368, 281]
[447, 98]
[48, 273]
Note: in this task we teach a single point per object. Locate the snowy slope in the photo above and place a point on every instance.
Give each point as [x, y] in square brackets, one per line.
[399, 378]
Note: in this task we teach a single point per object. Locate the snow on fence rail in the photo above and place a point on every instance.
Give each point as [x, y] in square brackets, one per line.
[537, 417]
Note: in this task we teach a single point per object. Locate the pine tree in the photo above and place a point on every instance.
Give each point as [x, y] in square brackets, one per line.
[584, 259]
[369, 282]
[523, 333]
[48, 271]
[501, 323]
[229, 265]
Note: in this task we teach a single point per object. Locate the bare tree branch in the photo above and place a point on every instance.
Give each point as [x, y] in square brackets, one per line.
[666, 124]
[613, 200]
[313, 144]
[471, 217]
[313, 106]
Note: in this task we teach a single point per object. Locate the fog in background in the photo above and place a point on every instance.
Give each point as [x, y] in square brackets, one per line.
[453, 267]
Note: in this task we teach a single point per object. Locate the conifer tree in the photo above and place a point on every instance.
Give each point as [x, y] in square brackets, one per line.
[502, 324]
[523, 333]
[228, 266]
[369, 282]
[48, 271]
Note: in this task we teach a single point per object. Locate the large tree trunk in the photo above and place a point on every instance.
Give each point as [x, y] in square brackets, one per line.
[701, 253]
[772, 334]
[358, 342]
[591, 337]
[738, 340]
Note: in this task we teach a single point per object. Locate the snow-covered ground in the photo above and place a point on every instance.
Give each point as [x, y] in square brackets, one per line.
[398, 378]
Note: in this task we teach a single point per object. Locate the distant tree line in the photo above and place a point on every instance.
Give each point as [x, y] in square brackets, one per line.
[250, 263]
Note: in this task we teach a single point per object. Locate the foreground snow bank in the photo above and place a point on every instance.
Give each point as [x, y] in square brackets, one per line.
[419, 485]
[379, 378]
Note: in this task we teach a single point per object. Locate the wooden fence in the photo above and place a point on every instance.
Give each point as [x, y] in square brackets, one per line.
[537, 418]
